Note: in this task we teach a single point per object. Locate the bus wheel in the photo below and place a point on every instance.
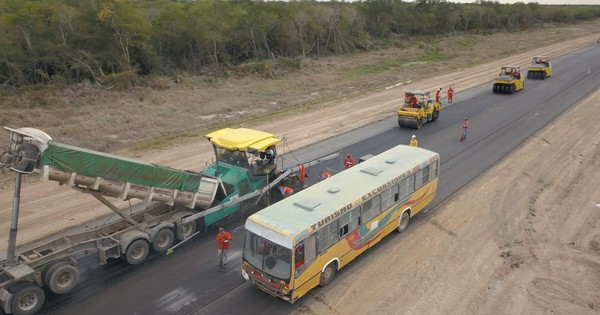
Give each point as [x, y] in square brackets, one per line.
[27, 298]
[404, 219]
[327, 274]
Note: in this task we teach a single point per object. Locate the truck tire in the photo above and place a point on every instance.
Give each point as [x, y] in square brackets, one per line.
[163, 240]
[27, 298]
[137, 251]
[61, 278]
[404, 220]
[186, 230]
[327, 274]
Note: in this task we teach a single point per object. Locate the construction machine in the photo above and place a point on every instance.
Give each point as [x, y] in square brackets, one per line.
[540, 68]
[417, 109]
[509, 81]
[173, 204]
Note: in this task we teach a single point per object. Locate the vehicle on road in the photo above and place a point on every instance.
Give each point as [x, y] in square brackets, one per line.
[509, 81]
[418, 108]
[540, 68]
[175, 205]
[301, 242]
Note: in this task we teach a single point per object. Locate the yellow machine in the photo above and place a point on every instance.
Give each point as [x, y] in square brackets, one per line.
[540, 68]
[418, 108]
[509, 81]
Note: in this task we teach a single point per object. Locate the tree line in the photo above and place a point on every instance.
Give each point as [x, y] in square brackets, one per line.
[70, 41]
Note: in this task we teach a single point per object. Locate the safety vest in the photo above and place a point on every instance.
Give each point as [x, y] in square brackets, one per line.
[285, 190]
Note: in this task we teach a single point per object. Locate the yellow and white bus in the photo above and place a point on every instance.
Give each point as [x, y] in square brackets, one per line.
[303, 240]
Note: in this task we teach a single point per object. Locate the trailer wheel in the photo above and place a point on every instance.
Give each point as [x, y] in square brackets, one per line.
[137, 251]
[404, 220]
[61, 277]
[186, 230]
[327, 274]
[27, 298]
[163, 240]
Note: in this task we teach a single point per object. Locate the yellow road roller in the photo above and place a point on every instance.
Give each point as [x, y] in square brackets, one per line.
[417, 109]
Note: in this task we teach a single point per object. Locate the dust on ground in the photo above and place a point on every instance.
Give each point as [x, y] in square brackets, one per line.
[524, 238]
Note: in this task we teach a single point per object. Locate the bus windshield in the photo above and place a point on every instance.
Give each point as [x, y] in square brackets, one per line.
[268, 257]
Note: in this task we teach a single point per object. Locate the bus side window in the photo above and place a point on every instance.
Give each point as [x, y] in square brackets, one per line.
[355, 219]
[328, 235]
[377, 204]
[304, 254]
[433, 168]
[388, 197]
[407, 186]
[366, 213]
[422, 177]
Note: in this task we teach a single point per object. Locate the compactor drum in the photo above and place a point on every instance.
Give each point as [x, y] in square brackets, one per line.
[540, 68]
[417, 109]
[509, 81]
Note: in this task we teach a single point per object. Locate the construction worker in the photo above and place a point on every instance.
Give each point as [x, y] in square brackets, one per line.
[465, 126]
[413, 141]
[437, 95]
[348, 161]
[285, 190]
[223, 238]
[450, 93]
[325, 174]
[411, 101]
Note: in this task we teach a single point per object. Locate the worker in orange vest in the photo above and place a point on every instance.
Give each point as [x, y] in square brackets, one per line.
[349, 161]
[437, 95]
[325, 174]
[285, 190]
[450, 93]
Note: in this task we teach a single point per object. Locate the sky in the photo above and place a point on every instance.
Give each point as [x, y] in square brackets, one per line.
[595, 2]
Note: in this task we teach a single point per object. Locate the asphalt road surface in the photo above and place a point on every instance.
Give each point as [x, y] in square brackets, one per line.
[188, 281]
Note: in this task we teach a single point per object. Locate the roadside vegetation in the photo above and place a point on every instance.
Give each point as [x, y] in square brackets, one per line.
[113, 43]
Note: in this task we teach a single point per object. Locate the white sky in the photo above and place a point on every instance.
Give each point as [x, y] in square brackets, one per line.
[595, 2]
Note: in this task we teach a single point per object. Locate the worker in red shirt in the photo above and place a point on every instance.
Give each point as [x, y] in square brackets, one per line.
[450, 93]
[437, 95]
[223, 238]
[349, 161]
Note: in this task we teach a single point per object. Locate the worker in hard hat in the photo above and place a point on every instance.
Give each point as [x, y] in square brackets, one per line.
[413, 141]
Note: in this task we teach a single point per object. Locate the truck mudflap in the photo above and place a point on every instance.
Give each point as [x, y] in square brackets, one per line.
[5, 299]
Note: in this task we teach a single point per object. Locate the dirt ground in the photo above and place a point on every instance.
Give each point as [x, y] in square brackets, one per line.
[524, 243]
[542, 259]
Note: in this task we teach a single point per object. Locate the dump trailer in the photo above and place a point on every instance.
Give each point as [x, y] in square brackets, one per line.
[540, 68]
[509, 81]
[417, 109]
[174, 205]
